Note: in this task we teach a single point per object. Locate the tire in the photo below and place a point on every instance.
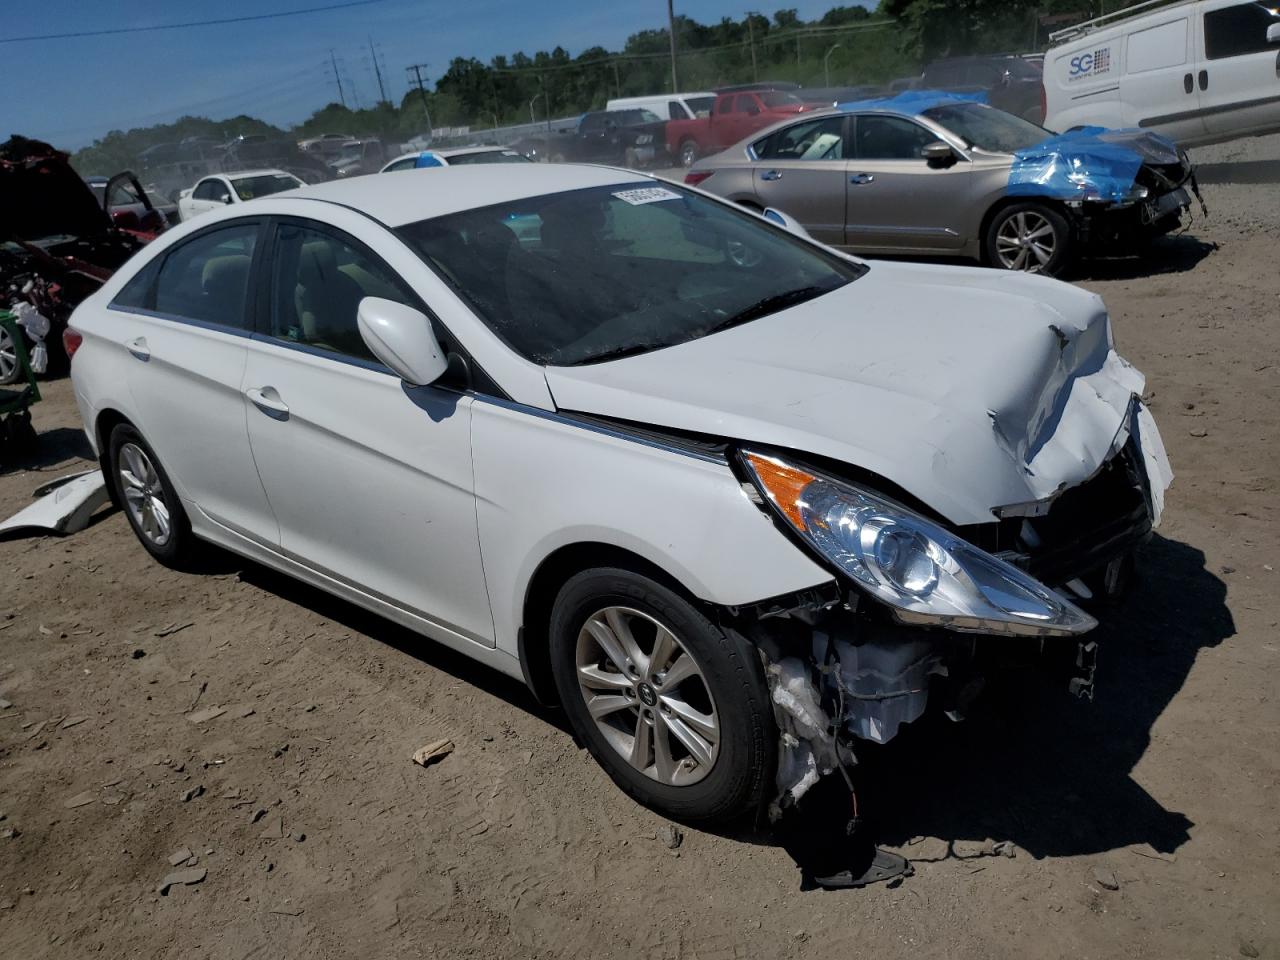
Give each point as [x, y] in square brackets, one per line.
[631, 159]
[723, 774]
[10, 369]
[689, 153]
[141, 500]
[1001, 242]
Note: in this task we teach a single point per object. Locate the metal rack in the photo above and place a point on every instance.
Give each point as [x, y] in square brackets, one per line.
[1110, 19]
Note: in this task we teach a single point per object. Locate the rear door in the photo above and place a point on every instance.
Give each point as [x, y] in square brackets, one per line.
[370, 479]
[897, 202]
[1239, 76]
[803, 171]
[1159, 83]
[185, 326]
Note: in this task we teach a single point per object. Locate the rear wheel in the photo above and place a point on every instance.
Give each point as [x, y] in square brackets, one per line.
[1031, 237]
[689, 153]
[149, 500]
[677, 712]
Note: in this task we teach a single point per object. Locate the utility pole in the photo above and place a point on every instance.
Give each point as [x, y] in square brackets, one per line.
[617, 83]
[671, 30]
[377, 72]
[417, 69]
[333, 59]
[751, 42]
[826, 64]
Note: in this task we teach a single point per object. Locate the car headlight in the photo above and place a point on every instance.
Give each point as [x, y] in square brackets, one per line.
[923, 572]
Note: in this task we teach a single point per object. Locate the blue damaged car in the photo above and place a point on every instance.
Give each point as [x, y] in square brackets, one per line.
[929, 173]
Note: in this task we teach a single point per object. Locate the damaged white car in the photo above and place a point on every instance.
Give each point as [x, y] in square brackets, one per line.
[736, 501]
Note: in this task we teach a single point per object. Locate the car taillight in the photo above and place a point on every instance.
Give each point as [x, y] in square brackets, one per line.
[695, 177]
[71, 340]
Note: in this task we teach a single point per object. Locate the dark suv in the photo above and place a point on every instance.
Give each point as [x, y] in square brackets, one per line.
[1014, 84]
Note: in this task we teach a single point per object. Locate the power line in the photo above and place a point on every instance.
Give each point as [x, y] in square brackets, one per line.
[193, 23]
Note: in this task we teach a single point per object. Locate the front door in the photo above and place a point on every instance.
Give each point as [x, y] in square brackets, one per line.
[1239, 76]
[898, 201]
[802, 171]
[370, 479]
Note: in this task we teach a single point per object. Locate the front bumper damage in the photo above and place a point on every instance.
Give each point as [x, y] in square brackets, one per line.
[844, 670]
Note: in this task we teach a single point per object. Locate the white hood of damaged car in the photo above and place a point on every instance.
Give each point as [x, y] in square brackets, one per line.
[971, 389]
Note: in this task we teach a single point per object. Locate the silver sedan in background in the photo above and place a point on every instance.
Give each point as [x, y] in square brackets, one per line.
[884, 179]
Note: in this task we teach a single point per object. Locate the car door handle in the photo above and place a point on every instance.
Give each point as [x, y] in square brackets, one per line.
[1204, 79]
[861, 178]
[1188, 83]
[138, 347]
[268, 403]
[771, 175]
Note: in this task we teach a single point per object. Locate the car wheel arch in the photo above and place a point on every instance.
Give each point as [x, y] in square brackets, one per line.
[1007, 201]
[551, 574]
[107, 420]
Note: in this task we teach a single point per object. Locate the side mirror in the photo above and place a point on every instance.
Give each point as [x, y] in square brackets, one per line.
[402, 338]
[938, 152]
[1273, 33]
[225, 198]
[786, 221]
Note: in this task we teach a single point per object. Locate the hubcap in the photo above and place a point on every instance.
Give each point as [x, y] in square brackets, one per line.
[647, 696]
[1025, 241]
[144, 495]
[8, 356]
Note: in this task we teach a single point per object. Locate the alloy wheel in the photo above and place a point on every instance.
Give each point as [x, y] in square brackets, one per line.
[1026, 241]
[144, 494]
[647, 696]
[8, 357]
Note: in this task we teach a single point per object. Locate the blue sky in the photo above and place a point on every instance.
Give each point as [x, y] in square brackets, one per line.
[72, 91]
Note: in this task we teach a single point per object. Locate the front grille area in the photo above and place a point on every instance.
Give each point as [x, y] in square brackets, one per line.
[1086, 527]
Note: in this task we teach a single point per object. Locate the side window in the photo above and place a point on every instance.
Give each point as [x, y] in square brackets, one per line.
[317, 283]
[207, 278]
[210, 190]
[813, 140]
[1237, 31]
[139, 293]
[980, 74]
[592, 123]
[890, 138]
[722, 105]
[675, 111]
[1164, 45]
[405, 164]
[747, 104]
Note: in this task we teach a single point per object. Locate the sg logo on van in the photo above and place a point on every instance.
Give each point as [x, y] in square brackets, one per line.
[1090, 64]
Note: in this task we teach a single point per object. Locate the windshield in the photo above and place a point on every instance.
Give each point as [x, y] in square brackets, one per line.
[488, 156]
[776, 98]
[599, 273]
[249, 187]
[986, 127]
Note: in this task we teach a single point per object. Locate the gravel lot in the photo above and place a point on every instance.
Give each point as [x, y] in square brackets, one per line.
[1145, 824]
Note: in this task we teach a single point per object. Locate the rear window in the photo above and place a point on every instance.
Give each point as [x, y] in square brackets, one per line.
[489, 156]
[701, 106]
[777, 98]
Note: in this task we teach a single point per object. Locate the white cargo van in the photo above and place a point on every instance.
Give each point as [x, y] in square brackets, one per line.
[669, 106]
[1198, 71]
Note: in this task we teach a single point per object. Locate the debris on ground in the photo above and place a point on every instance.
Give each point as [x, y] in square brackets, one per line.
[191, 794]
[433, 752]
[179, 856]
[173, 628]
[80, 800]
[273, 829]
[66, 509]
[1105, 878]
[671, 835]
[185, 877]
[72, 722]
[204, 716]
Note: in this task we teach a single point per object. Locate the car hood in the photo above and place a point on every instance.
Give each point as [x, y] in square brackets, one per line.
[972, 390]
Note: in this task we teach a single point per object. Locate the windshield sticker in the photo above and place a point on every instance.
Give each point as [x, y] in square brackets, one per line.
[646, 195]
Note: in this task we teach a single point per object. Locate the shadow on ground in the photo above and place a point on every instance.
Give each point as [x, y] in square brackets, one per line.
[1171, 254]
[53, 447]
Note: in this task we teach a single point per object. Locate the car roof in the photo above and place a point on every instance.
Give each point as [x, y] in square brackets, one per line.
[263, 172]
[445, 190]
[463, 151]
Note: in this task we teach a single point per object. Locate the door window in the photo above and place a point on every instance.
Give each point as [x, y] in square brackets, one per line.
[822, 139]
[317, 282]
[211, 190]
[1237, 31]
[206, 279]
[891, 138]
[405, 164]
[747, 104]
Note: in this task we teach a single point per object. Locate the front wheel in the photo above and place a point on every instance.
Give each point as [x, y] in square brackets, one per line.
[675, 711]
[1031, 237]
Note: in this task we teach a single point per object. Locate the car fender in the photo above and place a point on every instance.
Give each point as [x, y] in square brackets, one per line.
[545, 481]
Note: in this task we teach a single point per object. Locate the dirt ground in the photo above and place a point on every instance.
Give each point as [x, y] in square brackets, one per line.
[1145, 824]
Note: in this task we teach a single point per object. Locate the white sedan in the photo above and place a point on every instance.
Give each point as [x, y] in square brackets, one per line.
[737, 502]
[223, 189]
[455, 157]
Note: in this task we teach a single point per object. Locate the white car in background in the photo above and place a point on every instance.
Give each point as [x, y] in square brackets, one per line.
[687, 472]
[1198, 72]
[456, 157]
[223, 189]
[668, 106]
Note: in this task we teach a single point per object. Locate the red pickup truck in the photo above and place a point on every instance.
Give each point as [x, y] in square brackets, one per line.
[733, 117]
